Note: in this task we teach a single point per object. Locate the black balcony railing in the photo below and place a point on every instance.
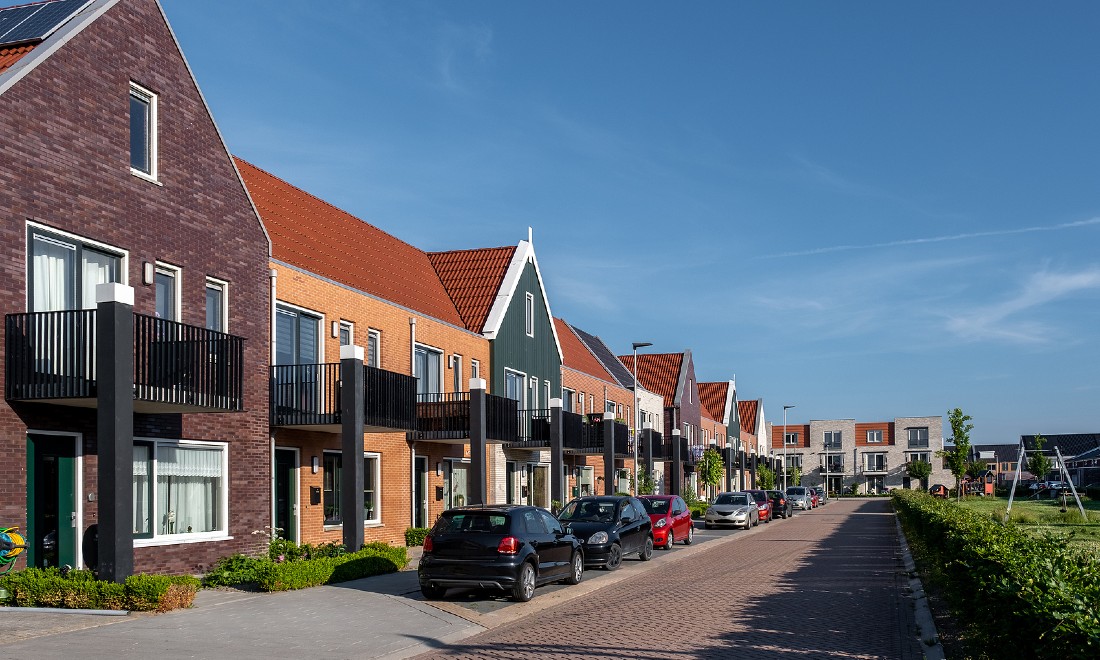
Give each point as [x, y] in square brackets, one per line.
[447, 417]
[390, 400]
[589, 438]
[534, 429]
[305, 394]
[51, 355]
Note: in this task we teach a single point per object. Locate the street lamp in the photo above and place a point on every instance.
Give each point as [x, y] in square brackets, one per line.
[637, 413]
[785, 408]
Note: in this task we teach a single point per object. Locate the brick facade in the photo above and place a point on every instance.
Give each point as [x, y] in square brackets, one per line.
[64, 164]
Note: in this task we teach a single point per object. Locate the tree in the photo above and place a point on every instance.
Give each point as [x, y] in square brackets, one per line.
[958, 457]
[646, 484]
[919, 470]
[795, 476]
[710, 468]
[1039, 464]
[765, 477]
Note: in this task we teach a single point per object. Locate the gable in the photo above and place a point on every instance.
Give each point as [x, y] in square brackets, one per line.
[472, 279]
[576, 354]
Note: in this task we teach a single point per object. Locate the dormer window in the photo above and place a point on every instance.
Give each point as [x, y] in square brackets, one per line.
[143, 132]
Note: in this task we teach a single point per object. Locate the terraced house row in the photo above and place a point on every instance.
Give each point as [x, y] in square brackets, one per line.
[196, 350]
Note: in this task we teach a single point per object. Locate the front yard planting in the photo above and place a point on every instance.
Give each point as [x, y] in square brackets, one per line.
[289, 566]
[50, 587]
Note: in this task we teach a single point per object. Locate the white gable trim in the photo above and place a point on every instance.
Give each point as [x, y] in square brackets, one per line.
[731, 396]
[508, 286]
[681, 381]
[82, 19]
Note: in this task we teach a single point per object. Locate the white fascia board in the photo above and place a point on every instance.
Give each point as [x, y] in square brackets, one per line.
[681, 381]
[761, 421]
[731, 401]
[83, 18]
[524, 251]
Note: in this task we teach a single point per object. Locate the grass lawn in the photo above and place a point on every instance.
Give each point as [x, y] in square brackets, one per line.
[1045, 516]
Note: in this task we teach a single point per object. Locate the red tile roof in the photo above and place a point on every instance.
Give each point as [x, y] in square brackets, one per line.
[576, 354]
[311, 234]
[472, 278]
[9, 55]
[713, 398]
[658, 372]
[746, 411]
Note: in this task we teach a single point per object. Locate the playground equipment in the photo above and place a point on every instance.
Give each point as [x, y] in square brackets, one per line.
[12, 544]
[1061, 470]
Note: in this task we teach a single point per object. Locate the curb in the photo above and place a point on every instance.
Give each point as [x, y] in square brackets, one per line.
[926, 625]
[62, 610]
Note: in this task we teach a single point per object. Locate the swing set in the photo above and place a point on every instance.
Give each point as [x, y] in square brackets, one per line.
[1061, 470]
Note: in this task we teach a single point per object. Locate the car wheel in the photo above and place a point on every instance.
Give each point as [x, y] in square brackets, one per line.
[614, 557]
[432, 592]
[691, 536]
[670, 541]
[525, 585]
[768, 519]
[576, 571]
[756, 522]
[707, 525]
[647, 550]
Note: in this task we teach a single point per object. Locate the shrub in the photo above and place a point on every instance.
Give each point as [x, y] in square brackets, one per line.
[1016, 595]
[373, 559]
[49, 587]
[231, 570]
[415, 536]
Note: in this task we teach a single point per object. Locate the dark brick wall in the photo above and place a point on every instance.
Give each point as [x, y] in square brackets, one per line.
[64, 162]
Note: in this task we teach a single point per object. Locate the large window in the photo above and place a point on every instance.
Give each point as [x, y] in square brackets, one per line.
[64, 272]
[143, 132]
[426, 368]
[180, 489]
[332, 487]
[925, 456]
[833, 439]
[874, 437]
[833, 463]
[513, 386]
[297, 336]
[794, 461]
[874, 462]
[918, 437]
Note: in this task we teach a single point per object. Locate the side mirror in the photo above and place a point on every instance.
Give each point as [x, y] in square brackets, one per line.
[567, 528]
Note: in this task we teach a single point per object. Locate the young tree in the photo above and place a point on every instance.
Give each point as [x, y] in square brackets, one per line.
[765, 477]
[795, 476]
[1039, 464]
[919, 470]
[646, 484]
[958, 457]
[710, 469]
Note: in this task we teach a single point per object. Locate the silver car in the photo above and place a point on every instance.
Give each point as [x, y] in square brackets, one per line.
[736, 509]
[800, 497]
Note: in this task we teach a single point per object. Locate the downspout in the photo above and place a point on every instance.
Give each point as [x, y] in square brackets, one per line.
[412, 445]
[273, 275]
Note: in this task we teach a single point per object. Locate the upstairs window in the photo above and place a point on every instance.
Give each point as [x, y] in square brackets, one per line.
[790, 439]
[833, 439]
[64, 272]
[143, 132]
[918, 437]
[874, 437]
[374, 348]
[216, 317]
[529, 315]
[346, 332]
[166, 287]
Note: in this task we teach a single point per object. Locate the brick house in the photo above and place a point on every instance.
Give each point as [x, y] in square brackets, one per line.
[385, 297]
[754, 437]
[721, 426]
[124, 330]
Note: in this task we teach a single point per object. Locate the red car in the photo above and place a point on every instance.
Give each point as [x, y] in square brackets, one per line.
[671, 520]
[763, 503]
[815, 498]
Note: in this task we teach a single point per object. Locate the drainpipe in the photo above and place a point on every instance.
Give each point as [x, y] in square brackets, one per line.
[412, 345]
[273, 275]
[412, 456]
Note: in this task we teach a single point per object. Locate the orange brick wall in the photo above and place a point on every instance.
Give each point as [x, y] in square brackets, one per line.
[601, 390]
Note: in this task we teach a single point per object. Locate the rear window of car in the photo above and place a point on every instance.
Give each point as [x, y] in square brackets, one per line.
[472, 522]
[796, 490]
[732, 498]
[659, 507]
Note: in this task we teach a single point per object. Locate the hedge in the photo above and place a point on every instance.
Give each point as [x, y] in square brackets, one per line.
[49, 587]
[415, 536]
[1016, 595]
[373, 559]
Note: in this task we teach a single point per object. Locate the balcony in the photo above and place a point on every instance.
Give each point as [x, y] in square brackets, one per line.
[178, 368]
[307, 397]
[875, 466]
[586, 436]
[446, 418]
[534, 430]
[833, 468]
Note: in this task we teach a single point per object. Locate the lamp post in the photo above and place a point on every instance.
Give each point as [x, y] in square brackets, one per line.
[785, 408]
[637, 413]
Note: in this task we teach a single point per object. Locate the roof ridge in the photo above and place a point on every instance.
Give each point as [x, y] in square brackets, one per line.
[500, 247]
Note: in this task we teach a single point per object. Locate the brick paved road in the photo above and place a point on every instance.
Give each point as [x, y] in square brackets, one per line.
[825, 584]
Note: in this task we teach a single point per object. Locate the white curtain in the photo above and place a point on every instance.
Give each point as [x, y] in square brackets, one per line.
[142, 495]
[188, 489]
[53, 263]
[98, 269]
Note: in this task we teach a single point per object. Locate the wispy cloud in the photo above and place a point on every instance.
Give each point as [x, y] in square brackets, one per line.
[456, 43]
[1001, 321]
[937, 239]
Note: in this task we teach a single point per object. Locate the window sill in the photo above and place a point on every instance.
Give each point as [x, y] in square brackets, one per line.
[145, 177]
[169, 540]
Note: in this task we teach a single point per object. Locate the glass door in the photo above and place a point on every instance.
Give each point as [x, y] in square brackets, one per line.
[420, 492]
[52, 523]
[455, 487]
[286, 493]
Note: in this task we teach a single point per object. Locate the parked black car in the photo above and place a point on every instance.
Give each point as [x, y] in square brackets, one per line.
[510, 548]
[610, 527]
[782, 507]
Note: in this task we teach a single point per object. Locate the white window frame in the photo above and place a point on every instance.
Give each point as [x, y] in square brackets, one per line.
[533, 392]
[223, 286]
[176, 273]
[546, 394]
[567, 399]
[377, 519]
[375, 359]
[350, 327]
[872, 434]
[149, 97]
[609, 406]
[925, 456]
[223, 504]
[790, 439]
[529, 315]
[826, 436]
[52, 234]
[475, 368]
[868, 460]
[438, 353]
[456, 366]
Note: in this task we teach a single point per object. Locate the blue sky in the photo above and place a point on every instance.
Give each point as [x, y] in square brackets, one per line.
[864, 209]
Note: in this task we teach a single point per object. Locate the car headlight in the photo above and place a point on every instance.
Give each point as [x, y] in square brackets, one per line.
[598, 537]
[661, 523]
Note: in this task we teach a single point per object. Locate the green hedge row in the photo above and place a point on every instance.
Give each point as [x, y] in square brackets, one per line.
[1017, 595]
[415, 536]
[48, 587]
[373, 559]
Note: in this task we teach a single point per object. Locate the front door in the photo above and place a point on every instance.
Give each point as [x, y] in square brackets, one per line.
[52, 520]
[420, 492]
[455, 490]
[538, 487]
[286, 493]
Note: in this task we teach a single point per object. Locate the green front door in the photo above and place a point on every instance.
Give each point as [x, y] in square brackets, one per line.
[286, 493]
[51, 500]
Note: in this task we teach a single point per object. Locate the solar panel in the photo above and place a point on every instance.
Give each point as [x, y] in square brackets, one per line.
[35, 22]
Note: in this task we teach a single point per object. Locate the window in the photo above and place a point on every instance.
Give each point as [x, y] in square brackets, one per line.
[456, 372]
[330, 488]
[166, 285]
[875, 462]
[925, 456]
[372, 488]
[513, 385]
[546, 393]
[180, 490]
[793, 460]
[874, 437]
[217, 318]
[529, 315]
[790, 439]
[374, 348]
[533, 395]
[833, 463]
[347, 333]
[143, 132]
[918, 437]
[426, 368]
[475, 369]
[833, 439]
[64, 272]
[567, 399]
[297, 336]
[689, 390]
[609, 406]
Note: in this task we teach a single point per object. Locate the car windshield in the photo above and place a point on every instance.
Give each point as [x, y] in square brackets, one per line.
[732, 498]
[589, 511]
[655, 506]
[492, 522]
[796, 490]
[759, 496]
